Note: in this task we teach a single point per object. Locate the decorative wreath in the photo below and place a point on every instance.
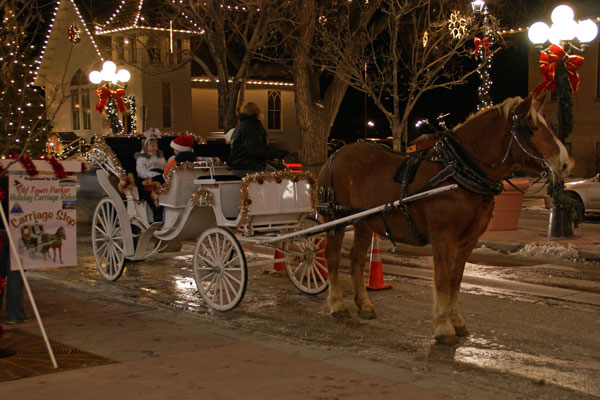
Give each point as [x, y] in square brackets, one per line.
[74, 33]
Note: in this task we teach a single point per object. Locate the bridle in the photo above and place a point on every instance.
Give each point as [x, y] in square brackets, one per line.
[517, 125]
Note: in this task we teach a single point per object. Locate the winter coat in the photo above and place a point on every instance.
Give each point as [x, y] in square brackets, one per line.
[149, 165]
[249, 149]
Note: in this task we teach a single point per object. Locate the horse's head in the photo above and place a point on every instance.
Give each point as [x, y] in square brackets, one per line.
[60, 232]
[536, 141]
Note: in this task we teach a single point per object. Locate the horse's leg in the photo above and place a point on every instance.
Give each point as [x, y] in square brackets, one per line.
[60, 254]
[444, 251]
[333, 254]
[358, 257]
[462, 254]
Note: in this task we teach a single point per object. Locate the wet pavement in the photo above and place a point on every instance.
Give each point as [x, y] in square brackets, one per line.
[529, 339]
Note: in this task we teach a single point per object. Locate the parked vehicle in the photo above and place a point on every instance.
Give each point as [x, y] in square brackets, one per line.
[586, 192]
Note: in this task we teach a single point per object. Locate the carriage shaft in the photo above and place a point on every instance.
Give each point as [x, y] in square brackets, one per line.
[371, 211]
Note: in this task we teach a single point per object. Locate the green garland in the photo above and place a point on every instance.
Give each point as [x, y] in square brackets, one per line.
[561, 199]
[565, 102]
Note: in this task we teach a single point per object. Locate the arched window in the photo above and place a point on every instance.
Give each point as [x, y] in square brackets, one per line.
[274, 111]
[80, 102]
[154, 51]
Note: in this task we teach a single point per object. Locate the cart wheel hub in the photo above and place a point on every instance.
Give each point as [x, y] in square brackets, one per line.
[106, 239]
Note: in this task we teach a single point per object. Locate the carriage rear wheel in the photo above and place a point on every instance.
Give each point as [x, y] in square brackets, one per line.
[304, 260]
[220, 269]
[107, 240]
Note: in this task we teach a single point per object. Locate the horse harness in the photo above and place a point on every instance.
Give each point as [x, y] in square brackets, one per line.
[458, 165]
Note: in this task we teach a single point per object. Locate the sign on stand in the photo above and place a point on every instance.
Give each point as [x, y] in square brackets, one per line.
[41, 217]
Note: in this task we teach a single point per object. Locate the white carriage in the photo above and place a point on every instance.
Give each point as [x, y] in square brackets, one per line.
[203, 201]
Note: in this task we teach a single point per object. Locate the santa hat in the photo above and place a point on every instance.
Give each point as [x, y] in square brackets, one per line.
[183, 143]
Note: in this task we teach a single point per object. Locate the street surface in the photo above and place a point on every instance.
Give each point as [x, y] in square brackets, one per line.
[534, 326]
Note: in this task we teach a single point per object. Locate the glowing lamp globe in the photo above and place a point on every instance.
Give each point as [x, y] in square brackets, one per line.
[538, 32]
[566, 30]
[95, 77]
[561, 14]
[109, 66]
[587, 30]
[123, 75]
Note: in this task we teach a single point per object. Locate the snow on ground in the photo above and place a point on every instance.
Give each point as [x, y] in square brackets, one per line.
[547, 250]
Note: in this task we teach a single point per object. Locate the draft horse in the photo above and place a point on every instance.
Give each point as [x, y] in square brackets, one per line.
[477, 155]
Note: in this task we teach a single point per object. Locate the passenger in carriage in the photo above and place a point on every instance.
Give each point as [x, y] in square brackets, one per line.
[150, 164]
[183, 150]
[250, 149]
[150, 161]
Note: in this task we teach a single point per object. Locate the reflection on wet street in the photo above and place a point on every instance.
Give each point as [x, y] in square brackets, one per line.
[537, 348]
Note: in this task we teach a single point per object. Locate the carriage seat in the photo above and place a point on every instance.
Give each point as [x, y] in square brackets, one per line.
[181, 187]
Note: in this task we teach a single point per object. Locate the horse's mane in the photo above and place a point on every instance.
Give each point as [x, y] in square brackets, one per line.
[504, 109]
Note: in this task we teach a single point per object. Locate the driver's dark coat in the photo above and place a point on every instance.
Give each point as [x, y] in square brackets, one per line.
[249, 145]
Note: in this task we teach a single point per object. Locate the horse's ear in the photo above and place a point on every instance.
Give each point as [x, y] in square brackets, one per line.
[525, 106]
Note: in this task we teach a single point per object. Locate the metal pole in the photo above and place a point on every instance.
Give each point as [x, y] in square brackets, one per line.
[26, 284]
[325, 226]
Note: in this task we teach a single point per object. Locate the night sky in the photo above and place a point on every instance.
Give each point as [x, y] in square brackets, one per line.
[509, 75]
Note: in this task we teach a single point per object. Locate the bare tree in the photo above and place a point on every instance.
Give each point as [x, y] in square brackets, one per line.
[232, 34]
[425, 47]
[318, 92]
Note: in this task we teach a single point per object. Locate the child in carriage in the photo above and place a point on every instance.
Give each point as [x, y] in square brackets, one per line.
[183, 150]
[149, 165]
[150, 161]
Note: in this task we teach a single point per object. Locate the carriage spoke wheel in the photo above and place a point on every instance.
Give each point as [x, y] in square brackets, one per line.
[304, 260]
[107, 240]
[220, 269]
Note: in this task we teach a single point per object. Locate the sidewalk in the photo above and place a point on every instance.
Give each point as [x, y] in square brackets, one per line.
[585, 241]
[162, 354]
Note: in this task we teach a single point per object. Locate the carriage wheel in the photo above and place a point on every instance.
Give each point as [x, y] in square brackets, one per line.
[220, 269]
[107, 240]
[304, 259]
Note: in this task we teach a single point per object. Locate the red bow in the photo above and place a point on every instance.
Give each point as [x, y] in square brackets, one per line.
[548, 63]
[485, 42]
[105, 94]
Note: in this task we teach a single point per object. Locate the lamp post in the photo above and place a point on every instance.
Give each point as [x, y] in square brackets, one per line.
[112, 84]
[483, 53]
[559, 67]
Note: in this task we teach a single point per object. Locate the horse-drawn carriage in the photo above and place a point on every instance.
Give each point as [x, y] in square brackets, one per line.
[205, 202]
[357, 182]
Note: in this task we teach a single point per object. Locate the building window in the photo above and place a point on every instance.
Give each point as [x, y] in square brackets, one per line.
[179, 50]
[598, 71]
[154, 51]
[80, 102]
[274, 111]
[120, 46]
[166, 104]
[132, 50]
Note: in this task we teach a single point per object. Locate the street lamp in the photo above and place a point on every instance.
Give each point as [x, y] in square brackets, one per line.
[111, 91]
[559, 72]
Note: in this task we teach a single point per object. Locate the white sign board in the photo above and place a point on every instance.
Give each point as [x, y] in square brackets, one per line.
[41, 218]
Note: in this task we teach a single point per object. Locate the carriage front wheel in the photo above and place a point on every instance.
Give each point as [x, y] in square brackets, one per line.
[304, 260]
[107, 240]
[220, 269]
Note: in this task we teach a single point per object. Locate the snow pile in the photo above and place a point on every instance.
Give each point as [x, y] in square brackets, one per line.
[549, 250]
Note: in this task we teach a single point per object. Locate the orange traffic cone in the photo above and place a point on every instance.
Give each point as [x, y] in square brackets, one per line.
[375, 268]
[278, 266]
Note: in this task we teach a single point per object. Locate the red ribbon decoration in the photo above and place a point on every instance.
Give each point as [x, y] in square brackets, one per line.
[485, 42]
[548, 63]
[104, 94]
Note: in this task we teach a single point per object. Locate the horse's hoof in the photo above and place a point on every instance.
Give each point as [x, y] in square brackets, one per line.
[461, 330]
[367, 314]
[447, 339]
[341, 314]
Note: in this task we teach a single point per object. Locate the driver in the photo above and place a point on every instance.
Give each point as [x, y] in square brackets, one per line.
[249, 149]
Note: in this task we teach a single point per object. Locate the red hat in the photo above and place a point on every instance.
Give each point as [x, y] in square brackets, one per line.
[183, 143]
